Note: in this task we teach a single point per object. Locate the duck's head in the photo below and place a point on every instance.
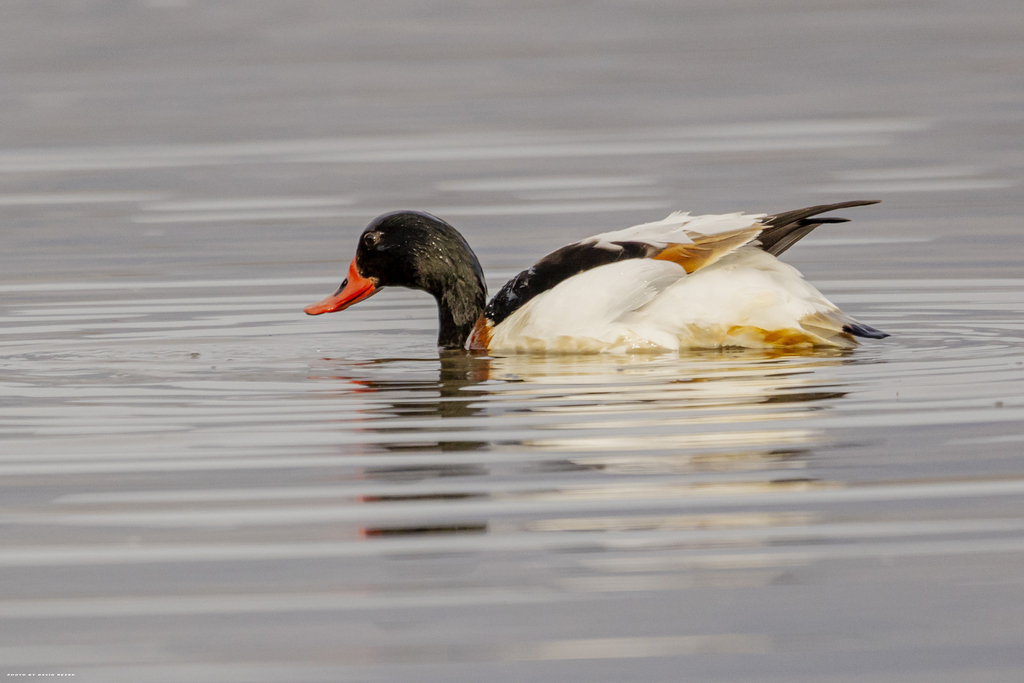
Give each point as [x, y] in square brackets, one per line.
[415, 250]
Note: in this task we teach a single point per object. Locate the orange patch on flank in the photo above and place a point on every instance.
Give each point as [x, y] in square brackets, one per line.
[480, 337]
[778, 338]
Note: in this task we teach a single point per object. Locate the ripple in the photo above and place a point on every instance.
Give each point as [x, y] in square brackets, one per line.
[165, 429]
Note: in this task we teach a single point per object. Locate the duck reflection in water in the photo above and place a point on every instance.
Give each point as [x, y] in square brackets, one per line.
[487, 401]
[556, 427]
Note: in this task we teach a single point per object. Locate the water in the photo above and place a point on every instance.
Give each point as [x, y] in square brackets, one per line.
[200, 483]
[186, 465]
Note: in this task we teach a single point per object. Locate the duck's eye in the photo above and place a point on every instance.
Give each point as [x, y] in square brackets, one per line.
[371, 239]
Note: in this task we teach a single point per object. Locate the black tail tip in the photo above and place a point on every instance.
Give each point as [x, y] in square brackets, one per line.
[861, 330]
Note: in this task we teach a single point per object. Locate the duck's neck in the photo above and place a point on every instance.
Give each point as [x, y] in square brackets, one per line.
[459, 305]
[448, 269]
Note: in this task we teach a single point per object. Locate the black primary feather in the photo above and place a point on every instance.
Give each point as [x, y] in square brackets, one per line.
[783, 230]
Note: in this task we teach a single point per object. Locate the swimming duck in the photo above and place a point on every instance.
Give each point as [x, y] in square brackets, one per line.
[682, 282]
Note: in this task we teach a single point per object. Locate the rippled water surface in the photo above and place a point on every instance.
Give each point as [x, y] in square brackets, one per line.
[198, 483]
[193, 459]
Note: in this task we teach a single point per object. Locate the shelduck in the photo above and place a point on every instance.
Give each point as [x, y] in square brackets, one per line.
[682, 282]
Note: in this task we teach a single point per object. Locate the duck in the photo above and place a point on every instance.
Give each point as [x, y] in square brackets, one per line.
[684, 282]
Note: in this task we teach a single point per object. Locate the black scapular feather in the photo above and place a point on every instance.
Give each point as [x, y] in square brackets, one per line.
[557, 267]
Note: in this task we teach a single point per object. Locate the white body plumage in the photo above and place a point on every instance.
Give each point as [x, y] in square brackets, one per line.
[738, 295]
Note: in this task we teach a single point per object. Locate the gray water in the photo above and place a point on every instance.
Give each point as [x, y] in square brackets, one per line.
[200, 483]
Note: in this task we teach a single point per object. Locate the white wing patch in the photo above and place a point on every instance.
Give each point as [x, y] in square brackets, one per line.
[678, 228]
